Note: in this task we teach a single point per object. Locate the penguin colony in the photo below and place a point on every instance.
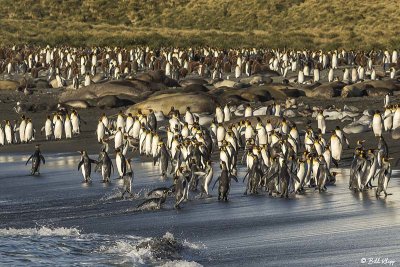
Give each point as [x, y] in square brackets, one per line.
[75, 68]
[280, 159]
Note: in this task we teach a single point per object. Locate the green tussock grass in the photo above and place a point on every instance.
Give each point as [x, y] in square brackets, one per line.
[246, 23]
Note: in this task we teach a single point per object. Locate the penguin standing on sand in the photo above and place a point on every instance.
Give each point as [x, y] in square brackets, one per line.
[36, 158]
[87, 166]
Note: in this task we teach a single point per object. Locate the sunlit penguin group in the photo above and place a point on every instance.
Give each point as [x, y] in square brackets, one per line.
[21, 131]
[61, 124]
[279, 159]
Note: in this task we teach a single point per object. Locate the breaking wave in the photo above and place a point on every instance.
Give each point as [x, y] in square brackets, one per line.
[45, 246]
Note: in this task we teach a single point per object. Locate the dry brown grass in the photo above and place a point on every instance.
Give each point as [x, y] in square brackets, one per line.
[274, 23]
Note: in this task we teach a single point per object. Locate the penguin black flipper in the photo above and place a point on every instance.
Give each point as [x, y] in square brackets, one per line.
[294, 176]
[216, 182]
[269, 179]
[335, 162]
[29, 159]
[234, 178]
[244, 178]
[42, 158]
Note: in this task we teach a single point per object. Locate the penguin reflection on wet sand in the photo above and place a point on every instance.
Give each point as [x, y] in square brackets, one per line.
[36, 158]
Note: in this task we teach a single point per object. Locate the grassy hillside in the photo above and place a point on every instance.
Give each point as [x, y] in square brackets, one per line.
[274, 23]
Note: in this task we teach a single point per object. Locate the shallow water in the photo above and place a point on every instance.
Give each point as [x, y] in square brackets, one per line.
[56, 218]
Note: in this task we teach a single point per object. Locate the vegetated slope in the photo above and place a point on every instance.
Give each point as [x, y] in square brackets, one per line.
[296, 23]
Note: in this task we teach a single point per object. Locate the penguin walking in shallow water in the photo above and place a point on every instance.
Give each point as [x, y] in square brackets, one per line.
[120, 161]
[206, 176]
[87, 166]
[224, 182]
[164, 158]
[181, 186]
[128, 177]
[105, 163]
[384, 175]
[36, 158]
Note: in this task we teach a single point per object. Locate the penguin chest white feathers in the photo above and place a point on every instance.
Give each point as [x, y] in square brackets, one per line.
[219, 115]
[220, 134]
[100, 131]
[29, 132]
[336, 147]
[118, 162]
[48, 128]
[68, 128]
[75, 124]
[377, 125]
[248, 112]
[149, 139]
[58, 129]
[22, 127]
[321, 123]
[2, 137]
[118, 139]
[388, 121]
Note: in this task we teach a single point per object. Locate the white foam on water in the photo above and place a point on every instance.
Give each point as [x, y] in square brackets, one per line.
[181, 263]
[110, 249]
[195, 246]
[40, 231]
[130, 252]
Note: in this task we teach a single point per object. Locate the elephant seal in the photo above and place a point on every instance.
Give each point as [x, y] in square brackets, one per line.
[328, 90]
[9, 85]
[193, 81]
[77, 104]
[352, 91]
[355, 128]
[379, 91]
[256, 79]
[228, 83]
[111, 101]
[99, 78]
[199, 103]
[130, 89]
